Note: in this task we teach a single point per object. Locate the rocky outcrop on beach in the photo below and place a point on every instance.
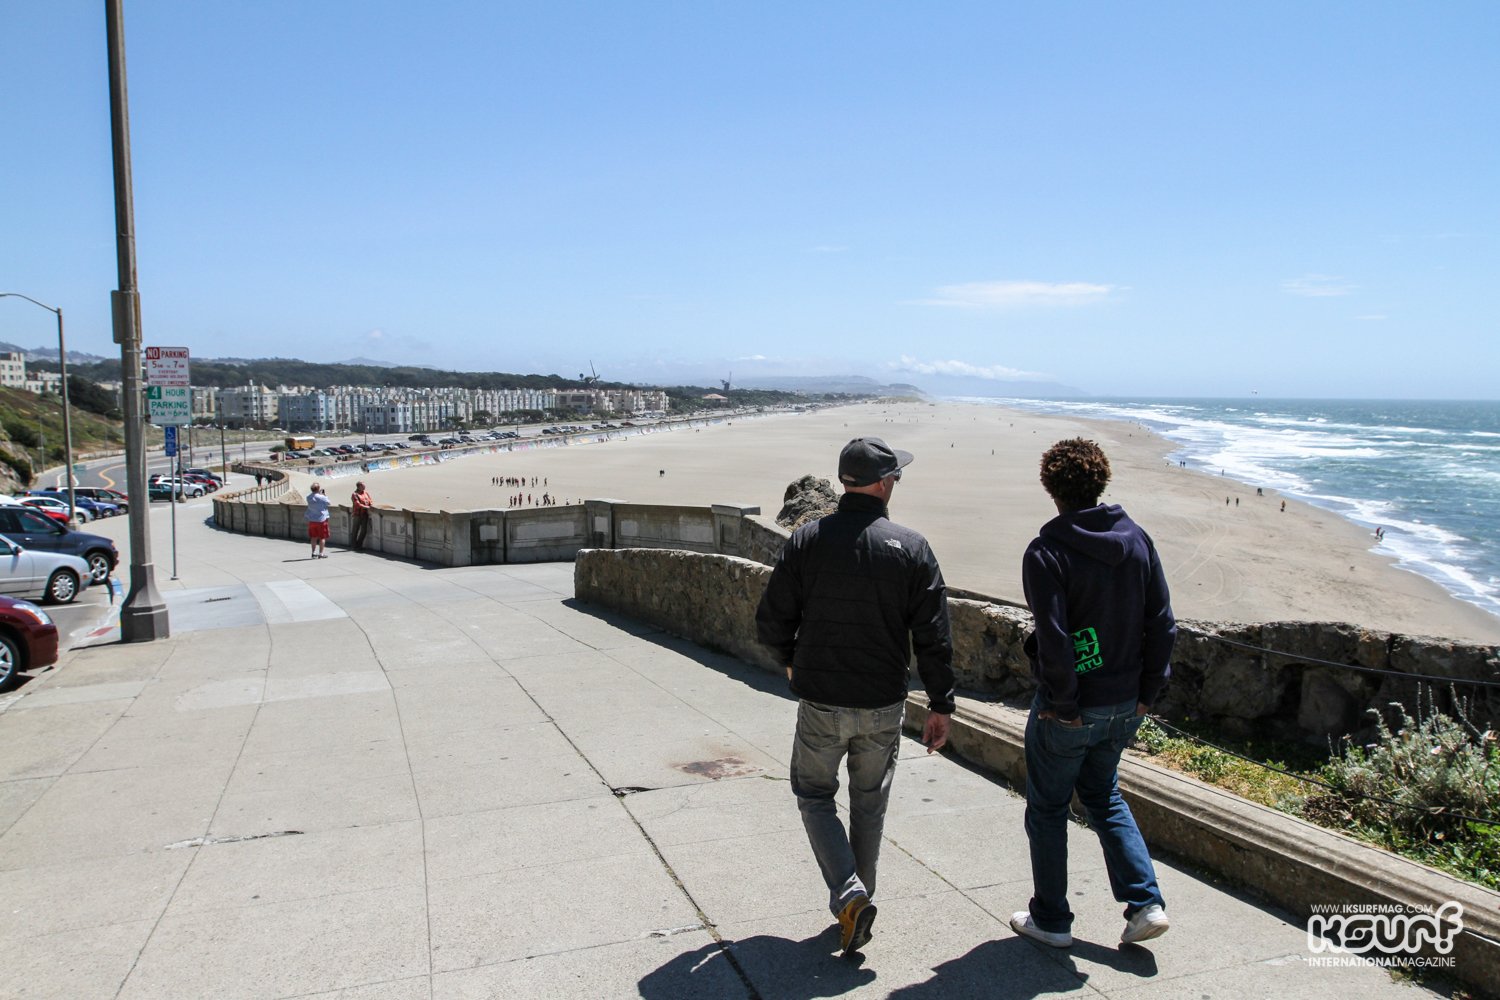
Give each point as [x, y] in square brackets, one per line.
[806, 499]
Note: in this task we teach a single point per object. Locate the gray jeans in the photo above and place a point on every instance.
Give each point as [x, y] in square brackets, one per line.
[870, 738]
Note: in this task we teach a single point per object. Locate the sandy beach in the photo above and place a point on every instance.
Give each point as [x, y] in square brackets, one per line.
[973, 491]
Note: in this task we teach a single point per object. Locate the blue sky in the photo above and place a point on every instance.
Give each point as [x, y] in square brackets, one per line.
[1296, 199]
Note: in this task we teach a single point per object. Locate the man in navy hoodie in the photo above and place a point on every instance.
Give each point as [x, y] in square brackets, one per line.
[1101, 653]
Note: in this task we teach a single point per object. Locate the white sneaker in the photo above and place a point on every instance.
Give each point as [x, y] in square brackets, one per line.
[1021, 923]
[1149, 922]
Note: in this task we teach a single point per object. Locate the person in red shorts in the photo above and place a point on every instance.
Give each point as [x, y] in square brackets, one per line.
[317, 521]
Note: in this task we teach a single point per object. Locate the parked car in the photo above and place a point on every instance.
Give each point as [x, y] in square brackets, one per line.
[100, 508]
[204, 481]
[115, 497]
[51, 576]
[35, 530]
[210, 474]
[55, 509]
[88, 508]
[166, 489]
[28, 639]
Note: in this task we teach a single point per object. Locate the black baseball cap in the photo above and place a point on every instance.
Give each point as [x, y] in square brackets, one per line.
[869, 460]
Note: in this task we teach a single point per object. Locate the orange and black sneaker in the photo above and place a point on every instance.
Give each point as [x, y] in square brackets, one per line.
[854, 923]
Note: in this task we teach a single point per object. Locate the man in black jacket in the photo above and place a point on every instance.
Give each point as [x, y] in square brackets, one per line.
[851, 597]
[1100, 653]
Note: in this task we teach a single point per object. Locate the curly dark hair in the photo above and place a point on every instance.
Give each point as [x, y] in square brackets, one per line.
[1075, 472]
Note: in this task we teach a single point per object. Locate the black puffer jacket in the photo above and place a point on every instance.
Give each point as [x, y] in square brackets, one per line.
[851, 596]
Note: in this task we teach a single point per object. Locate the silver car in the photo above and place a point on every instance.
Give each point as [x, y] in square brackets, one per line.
[55, 577]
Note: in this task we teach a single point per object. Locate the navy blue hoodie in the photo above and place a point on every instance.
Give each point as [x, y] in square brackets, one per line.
[1104, 625]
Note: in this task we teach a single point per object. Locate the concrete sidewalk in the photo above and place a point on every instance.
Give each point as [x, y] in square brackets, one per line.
[369, 779]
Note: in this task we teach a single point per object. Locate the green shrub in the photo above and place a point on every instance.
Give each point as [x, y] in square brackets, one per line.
[1431, 772]
[19, 464]
[1151, 738]
[22, 433]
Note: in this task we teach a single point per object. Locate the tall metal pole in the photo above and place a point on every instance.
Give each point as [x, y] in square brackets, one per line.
[62, 360]
[143, 616]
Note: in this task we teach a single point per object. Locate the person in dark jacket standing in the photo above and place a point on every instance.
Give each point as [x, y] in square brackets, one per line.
[1101, 653]
[851, 597]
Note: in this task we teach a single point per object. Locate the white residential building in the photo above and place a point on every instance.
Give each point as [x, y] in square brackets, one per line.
[13, 370]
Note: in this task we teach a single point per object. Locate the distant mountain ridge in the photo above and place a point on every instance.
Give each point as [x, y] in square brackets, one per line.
[373, 372]
[50, 354]
[856, 384]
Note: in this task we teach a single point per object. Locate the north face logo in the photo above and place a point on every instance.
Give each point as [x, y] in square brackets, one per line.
[893, 543]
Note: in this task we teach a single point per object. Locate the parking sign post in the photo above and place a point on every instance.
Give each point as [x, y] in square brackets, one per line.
[169, 396]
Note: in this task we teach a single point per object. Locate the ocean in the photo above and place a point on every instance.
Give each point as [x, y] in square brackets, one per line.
[1427, 472]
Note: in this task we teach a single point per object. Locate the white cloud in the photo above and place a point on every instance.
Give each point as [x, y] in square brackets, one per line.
[753, 357]
[1005, 294]
[996, 373]
[375, 335]
[1317, 286]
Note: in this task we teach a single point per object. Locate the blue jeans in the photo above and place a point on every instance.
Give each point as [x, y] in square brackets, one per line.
[869, 737]
[1060, 759]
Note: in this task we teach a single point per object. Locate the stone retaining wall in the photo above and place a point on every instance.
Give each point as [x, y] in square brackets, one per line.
[711, 600]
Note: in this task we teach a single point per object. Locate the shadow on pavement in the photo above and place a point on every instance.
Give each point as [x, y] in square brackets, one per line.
[796, 970]
[1132, 959]
[1008, 968]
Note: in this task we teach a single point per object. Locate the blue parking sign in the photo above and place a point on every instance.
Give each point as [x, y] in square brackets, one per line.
[169, 438]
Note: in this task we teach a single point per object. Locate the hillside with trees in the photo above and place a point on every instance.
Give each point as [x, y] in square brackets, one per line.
[33, 429]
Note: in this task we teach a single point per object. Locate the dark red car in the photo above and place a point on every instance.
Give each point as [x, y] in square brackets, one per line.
[28, 639]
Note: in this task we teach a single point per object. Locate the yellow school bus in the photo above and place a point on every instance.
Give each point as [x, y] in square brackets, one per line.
[301, 443]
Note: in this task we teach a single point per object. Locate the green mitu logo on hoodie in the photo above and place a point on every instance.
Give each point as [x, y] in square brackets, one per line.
[1086, 656]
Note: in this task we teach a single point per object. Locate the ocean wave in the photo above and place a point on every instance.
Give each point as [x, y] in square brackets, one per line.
[1418, 470]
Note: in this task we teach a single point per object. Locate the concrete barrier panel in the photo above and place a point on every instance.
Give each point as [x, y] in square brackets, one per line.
[545, 534]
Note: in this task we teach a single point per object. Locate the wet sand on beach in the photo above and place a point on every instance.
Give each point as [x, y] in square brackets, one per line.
[973, 491]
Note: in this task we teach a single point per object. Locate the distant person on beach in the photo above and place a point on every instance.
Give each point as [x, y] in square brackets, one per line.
[1101, 651]
[1283, 506]
[851, 598]
[359, 516]
[317, 521]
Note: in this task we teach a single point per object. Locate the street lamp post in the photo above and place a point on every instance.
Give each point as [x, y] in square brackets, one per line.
[143, 615]
[62, 361]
